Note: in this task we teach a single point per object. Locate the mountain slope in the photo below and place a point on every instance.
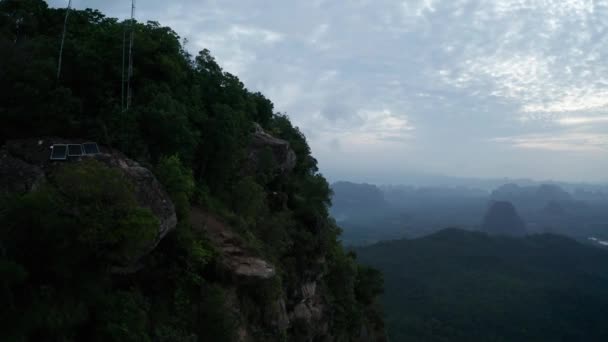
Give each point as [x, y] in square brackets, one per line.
[465, 286]
[247, 251]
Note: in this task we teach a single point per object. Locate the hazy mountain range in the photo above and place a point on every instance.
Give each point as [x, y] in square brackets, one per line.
[369, 213]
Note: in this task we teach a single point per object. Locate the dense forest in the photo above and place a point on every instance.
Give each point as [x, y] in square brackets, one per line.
[190, 122]
[456, 285]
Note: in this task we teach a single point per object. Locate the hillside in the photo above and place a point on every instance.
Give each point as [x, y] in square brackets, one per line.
[202, 218]
[466, 286]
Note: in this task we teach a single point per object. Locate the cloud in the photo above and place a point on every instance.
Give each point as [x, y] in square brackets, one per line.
[254, 33]
[434, 80]
[582, 120]
[382, 125]
[577, 142]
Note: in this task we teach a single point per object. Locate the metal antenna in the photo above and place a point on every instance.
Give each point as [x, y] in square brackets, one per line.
[122, 83]
[65, 26]
[130, 72]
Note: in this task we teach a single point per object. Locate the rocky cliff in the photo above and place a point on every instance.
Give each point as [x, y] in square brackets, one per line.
[302, 311]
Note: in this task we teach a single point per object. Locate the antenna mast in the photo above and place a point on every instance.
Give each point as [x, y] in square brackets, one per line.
[130, 70]
[65, 26]
[122, 74]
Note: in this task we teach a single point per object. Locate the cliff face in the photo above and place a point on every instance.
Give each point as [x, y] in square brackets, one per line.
[302, 312]
[242, 268]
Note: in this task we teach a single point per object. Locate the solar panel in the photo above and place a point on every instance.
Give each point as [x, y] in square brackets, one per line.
[75, 150]
[90, 148]
[59, 152]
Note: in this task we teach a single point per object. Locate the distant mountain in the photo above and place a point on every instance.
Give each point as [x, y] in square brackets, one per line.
[398, 195]
[364, 214]
[369, 213]
[357, 200]
[502, 219]
[534, 197]
[554, 208]
[457, 286]
[428, 179]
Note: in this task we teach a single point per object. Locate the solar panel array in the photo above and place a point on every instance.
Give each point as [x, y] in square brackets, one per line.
[63, 151]
[59, 152]
[90, 148]
[75, 150]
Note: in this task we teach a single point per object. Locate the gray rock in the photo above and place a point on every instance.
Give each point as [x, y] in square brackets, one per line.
[302, 312]
[17, 176]
[282, 153]
[148, 191]
[282, 319]
[238, 260]
[309, 290]
[250, 267]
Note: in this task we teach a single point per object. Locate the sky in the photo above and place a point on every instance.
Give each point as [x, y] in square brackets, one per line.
[383, 88]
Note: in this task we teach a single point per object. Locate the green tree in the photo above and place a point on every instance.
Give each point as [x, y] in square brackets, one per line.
[178, 182]
[249, 199]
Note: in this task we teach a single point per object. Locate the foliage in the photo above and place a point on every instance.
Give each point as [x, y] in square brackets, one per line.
[80, 223]
[249, 199]
[369, 284]
[178, 181]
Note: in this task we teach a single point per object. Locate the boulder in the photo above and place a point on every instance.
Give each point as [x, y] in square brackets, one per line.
[148, 190]
[17, 176]
[302, 312]
[25, 163]
[262, 142]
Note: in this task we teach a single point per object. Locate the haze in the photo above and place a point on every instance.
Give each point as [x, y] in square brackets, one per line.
[495, 88]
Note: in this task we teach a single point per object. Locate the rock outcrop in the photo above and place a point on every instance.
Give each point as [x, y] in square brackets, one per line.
[283, 157]
[304, 308]
[310, 311]
[237, 260]
[502, 219]
[17, 176]
[148, 191]
[24, 164]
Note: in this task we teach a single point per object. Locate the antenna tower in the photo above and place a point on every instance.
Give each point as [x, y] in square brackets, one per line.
[130, 70]
[65, 27]
[122, 74]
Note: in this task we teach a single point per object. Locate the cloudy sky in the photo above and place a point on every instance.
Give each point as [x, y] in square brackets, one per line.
[480, 88]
